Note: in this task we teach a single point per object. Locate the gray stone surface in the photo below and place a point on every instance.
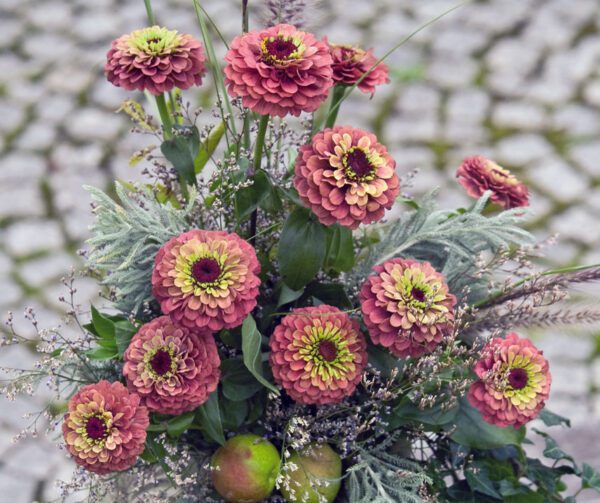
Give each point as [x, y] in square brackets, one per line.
[514, 80]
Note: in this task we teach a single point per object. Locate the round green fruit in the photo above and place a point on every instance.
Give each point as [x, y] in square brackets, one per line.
[318, 476]
[245, 469]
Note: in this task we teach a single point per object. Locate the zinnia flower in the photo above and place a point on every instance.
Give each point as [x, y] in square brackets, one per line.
[155, 59]
[171, 367]
[105, 427]
[344, 175]
[478, 174]
[407, 307]
[351, 63]
[318, 354]
[279, 71]
[206, 279]
[514, 382]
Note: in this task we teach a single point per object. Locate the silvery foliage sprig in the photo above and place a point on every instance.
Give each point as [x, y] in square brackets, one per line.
[126, 238]
[381, 477]
[450, 240]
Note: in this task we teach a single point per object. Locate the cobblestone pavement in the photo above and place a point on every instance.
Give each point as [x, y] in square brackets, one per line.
[515, 80]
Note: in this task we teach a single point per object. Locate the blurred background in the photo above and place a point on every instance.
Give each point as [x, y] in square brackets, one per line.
[518, 81]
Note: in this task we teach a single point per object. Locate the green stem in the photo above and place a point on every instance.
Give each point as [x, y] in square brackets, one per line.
[165, 116]
[260, 141]
[258, 152]
[550, 272]
[150, 12]
[336, 100]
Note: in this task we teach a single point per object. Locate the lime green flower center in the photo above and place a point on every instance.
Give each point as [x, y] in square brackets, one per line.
[95, 428]
[161, 363]
[519, 380]
[359, 165]
[155, 40]
[326, 352]
[281, 49]
[415, 291]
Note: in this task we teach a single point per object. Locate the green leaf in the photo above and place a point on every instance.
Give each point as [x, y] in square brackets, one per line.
[479, 480]
[124, 332]
[101, 354]
[302, 248]
[471, 430]
[552, 419]
[179, 424]
[234, 413]
[435, 415]
[104, 327]
[287, 295]
[251, 342]
[591, 477]
[238, 384]
[552, 450]
[333, 294]
[340, 249]
[250, 198]
[209, 146]
[209, 418]
[181, 150]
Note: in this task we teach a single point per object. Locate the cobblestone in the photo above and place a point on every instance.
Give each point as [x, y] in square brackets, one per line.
[516, 81]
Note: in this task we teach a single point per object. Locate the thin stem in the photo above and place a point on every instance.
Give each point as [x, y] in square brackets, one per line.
[165, 116]
[245, 16]
[336, 100]
[150, 12]
[245, 25]
[495, 296]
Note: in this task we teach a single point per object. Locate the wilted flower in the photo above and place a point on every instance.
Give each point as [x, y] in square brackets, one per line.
[105, 427]
[171, 367]
[407, 307]
[344, 175]
[478, 174]
[318, 354]
[279, 71]
[206, 279]
[351, 63]
[514, 382]
[155, 59]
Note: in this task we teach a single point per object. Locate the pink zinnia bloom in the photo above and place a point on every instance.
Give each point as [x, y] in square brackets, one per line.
[407, 307]
[318, 354]
[206, 279]
[279, 71]
[155, 59]
[171, 367]
[351, 63]
[514, 382]
[105, 427]
[478, 174]
[344, 175]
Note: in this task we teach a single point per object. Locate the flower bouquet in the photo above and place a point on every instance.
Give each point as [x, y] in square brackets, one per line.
[284, 323]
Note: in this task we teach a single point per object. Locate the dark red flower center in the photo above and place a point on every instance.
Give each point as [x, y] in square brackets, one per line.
[280, 49]
[161, 362]
[154, 40]
[328, 351]
[96, 428]
[418, 294]
[517, 378]
[358, 162]
[206, 270]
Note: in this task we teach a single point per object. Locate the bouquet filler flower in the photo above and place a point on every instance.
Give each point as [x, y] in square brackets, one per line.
[285, 322]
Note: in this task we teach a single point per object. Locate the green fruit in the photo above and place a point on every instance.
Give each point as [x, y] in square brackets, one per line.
[245, 469]
[318, 476]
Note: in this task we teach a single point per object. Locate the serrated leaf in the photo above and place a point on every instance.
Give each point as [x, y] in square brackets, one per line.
[591, 477]
[302, 248]
[251, 342]
[209, 418]
[552, 419]
[479, 481]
